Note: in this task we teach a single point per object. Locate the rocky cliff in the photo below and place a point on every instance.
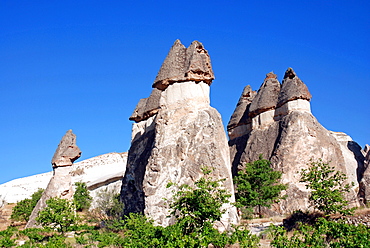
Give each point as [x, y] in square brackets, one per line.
[175, 134]
[277, 122]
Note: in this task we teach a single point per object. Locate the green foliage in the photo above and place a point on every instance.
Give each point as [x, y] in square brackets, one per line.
[6, 237]
[323, 233]
[81, 197]
[23, 209]
[327, 188]
[34, 234]
[192, 207]
[59, 214]
[257, 185]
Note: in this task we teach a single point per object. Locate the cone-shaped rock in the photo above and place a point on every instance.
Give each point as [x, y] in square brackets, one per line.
[292, 88]
[60, 184]
[240, 121]
[267, 96]
[185, 64]
[173, 145]
[290, 136]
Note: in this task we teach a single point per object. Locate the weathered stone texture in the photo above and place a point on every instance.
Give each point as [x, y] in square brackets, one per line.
[173, 145]
[290, 136]
[240, 122]
[185, 64]
[292, 88]
[267, 95]
[60, 184]
[365, 180]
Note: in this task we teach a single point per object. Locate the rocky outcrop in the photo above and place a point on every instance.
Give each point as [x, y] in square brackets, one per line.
[365, 180]
[60, 184]
[284, 131]
[173, 145]
[185, 64]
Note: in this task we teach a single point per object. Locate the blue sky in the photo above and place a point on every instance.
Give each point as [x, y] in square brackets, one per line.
[84, 65]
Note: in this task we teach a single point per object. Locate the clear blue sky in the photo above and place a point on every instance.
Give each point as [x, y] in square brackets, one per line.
[84, 65]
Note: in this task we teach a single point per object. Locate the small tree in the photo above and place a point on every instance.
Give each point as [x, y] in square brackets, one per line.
[23, 209]
[81, 197]
[327, 188]
[257, 185]
[59, 214]
[194, 206]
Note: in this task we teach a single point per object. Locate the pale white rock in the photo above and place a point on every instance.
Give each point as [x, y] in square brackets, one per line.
[263, 120]
[239, 131]
[98, 173]
[186, 93]
[296, 105]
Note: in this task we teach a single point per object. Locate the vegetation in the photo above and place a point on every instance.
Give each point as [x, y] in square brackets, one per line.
[59, 214]
[327, 188]
[81, 197]
[23, 209]
[257, 185]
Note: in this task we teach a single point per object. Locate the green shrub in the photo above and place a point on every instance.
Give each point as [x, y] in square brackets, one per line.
[59, 214]
[327, 188]
[81, 197]
[23, 209]
[6, 237]
[257, 185]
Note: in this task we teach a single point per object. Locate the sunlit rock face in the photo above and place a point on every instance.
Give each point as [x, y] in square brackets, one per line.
[365, 180]
[173, 143]
[60, 184]
[283, 129]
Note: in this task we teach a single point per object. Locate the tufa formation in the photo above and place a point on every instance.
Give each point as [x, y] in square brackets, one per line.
[277, 122]
[60, 184]
[175, 134]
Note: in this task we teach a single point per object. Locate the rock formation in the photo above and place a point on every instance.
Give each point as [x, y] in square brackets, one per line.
[365, 180]
[278, 124]
[176, 138]
[60, 184]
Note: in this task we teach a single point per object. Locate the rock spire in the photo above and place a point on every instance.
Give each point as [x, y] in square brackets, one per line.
[60, 184]
[174, 142]
[283, 129]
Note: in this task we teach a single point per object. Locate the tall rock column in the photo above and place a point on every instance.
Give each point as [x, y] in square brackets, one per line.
[182, 135]
[284, 131]
[60, 184]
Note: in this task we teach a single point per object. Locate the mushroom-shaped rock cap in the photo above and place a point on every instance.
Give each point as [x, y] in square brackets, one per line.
[241, 112]
[147, 107]
[185, 64]
[267, 95]
[67, 151]
[292, 88]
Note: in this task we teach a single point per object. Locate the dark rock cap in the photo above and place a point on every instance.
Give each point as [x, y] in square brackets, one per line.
[266, 97]
[241, 112]
[292, 89]
[67, 151]
[185, 64]
[147, 107]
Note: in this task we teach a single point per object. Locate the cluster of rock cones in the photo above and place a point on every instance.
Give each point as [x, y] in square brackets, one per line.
[176, 132]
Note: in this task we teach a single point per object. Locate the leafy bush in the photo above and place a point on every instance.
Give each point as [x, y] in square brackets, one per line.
[59, 214]
[323, 233]
[6, 237]
[81, 197]
[257, 185]
[23, 209]
[194, 206]
[327, 188]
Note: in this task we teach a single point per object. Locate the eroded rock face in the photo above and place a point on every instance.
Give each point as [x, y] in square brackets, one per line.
[365, 180]
[173, 145]
[185, 64]
[284, 131]
[60, 184]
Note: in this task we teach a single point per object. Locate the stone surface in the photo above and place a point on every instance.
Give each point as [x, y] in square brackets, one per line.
[267, 95]
[67, 151]
[185, 64]
[60, 184]
[174, 144]
[365, 180]
[292, 88]
[240, 122]
[289, 136]
[147, 107]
